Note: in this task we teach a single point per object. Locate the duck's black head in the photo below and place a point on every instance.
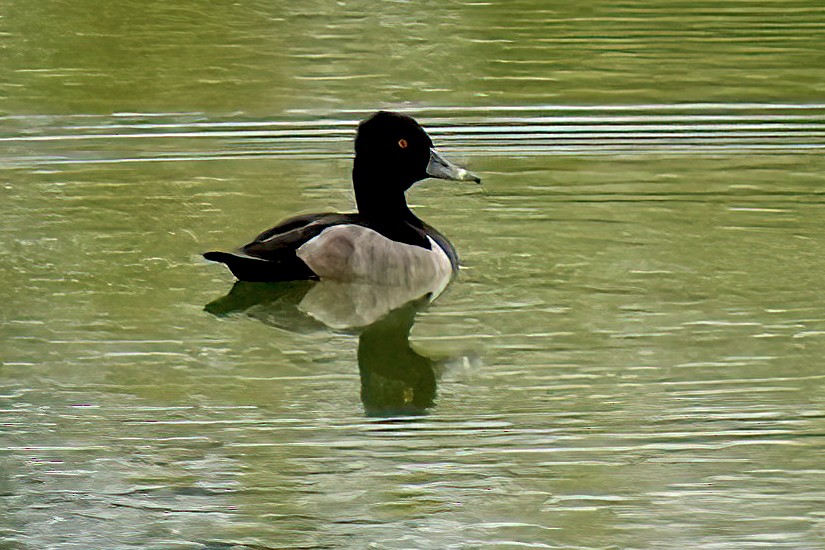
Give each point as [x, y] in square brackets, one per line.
[392, 152]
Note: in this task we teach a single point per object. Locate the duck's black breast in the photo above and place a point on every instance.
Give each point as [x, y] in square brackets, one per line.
[444, 243]
[275, 254]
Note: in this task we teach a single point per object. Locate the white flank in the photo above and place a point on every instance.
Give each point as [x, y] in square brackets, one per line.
[352, 253]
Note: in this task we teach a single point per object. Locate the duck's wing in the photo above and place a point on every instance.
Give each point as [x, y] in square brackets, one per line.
[271, 255]
[292, 230]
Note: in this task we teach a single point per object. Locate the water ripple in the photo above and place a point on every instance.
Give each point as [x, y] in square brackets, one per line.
[491, 131]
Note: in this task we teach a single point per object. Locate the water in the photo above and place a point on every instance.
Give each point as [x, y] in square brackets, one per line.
[631, 356]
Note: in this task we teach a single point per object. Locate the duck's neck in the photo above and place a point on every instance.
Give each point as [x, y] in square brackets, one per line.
[379, 200]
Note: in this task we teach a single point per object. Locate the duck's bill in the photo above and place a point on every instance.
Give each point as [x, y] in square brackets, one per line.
[439, 167]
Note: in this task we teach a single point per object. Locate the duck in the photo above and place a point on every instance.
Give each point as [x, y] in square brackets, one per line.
[384, 242]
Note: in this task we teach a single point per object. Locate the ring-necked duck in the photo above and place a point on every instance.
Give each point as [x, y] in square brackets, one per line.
[384, 242]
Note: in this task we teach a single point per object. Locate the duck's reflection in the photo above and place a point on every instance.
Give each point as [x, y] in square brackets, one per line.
[395, 379]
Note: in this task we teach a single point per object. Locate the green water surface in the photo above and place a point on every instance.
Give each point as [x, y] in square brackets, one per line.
[631, 356]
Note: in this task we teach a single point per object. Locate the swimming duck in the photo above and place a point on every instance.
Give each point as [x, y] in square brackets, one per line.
[384, 242]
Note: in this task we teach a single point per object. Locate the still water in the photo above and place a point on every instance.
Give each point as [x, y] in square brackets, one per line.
[631, 356]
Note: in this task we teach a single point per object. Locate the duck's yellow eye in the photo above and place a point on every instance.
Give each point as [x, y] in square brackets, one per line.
[402, 143]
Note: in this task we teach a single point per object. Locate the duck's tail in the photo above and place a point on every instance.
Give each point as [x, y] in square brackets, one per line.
[245, 268]
[252, 269]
